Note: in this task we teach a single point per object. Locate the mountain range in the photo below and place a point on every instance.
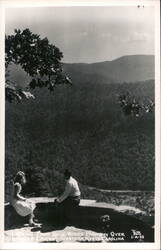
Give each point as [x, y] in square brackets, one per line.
[133, 68]
[124, 69]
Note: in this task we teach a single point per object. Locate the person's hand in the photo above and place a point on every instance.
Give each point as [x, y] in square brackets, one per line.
[56, 202]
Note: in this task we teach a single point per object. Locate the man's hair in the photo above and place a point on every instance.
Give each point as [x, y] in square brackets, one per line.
[67, 173]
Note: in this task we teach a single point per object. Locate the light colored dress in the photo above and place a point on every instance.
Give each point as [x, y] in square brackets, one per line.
[23, 208]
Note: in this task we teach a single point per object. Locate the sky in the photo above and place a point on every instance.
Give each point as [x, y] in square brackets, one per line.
[89, 34]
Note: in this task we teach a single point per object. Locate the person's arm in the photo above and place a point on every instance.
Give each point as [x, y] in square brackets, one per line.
[17, 192]
[65, 194]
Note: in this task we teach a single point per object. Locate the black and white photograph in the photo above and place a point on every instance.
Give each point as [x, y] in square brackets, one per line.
[81, 161]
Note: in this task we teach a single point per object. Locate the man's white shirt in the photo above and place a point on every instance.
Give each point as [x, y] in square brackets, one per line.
[71, 189]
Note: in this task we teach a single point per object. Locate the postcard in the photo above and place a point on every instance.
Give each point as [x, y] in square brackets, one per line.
[80, 137]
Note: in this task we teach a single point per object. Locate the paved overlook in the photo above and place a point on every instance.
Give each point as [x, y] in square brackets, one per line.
[92, 222]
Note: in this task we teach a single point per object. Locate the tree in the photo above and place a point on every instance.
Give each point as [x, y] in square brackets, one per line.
[38, 58]
[130, 106]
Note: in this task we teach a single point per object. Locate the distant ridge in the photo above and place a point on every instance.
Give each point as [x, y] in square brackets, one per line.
[129, 68]
[115, 59]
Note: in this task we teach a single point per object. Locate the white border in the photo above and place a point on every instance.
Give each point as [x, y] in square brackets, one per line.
[67, 3]
[2, 120]
[157, 123]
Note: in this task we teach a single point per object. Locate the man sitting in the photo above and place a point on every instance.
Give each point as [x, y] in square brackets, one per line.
[69, 199]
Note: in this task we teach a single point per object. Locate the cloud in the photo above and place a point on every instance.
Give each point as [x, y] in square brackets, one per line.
[127, 38]
[137, 36]
[106, 35]
[84, 33]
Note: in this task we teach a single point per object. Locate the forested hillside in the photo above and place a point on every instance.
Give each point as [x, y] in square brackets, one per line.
[83, 128]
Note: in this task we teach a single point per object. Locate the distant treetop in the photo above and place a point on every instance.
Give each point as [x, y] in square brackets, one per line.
[131, 106]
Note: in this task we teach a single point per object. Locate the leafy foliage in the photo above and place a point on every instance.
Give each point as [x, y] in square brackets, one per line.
[38, 58]
[130, 106]
[12, 93]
